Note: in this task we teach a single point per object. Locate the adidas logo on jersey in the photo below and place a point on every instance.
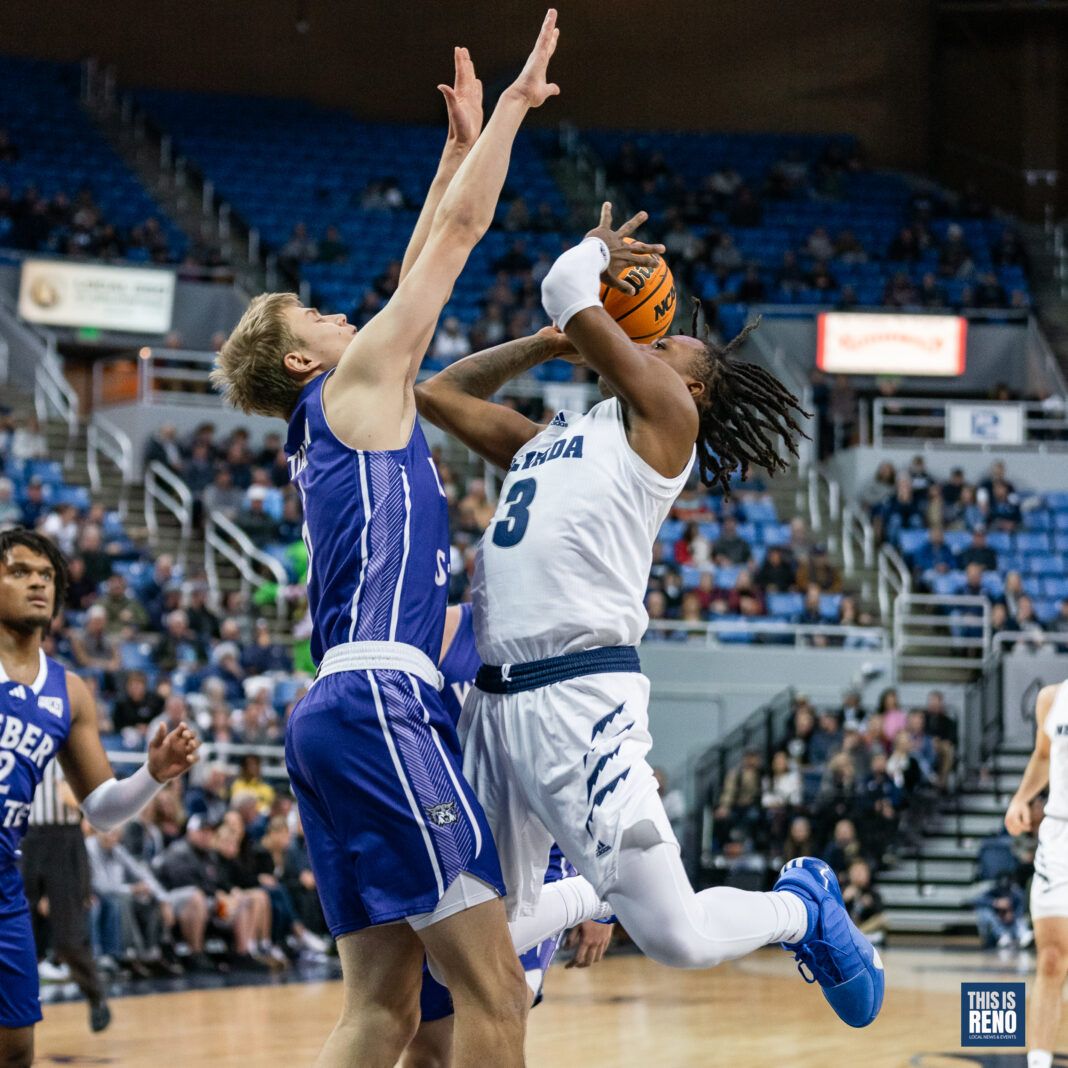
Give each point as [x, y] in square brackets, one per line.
[558, 420]
[602, 849]
[51, 704]
[443, 815]
[17, 693]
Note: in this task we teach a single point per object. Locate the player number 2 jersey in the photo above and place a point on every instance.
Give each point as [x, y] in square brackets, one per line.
[34, 724]
[564, 564]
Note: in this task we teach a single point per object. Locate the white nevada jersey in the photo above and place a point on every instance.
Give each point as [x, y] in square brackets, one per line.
[564, 564]
[1056, 727]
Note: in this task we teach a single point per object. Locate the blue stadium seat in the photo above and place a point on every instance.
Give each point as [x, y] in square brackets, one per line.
[1058, 501]
[957, 540]
[1029, 542]
[1000, 541]
[1055, 587]
[911, 541]
[785, 605]
[831, 606]
[993, 584]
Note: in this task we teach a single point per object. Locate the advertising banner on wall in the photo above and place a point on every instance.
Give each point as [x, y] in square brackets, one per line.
[985, 424]
[134, 299]
[854, 343]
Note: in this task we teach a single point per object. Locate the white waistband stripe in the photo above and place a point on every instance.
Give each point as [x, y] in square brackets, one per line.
[381, 656]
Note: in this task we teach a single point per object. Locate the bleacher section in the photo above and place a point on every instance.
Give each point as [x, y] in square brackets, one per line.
[61, 151]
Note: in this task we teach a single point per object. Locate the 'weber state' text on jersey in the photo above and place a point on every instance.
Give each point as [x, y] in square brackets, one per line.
[1056, 728]
[564, 564]
[377, 531]
[34, 724]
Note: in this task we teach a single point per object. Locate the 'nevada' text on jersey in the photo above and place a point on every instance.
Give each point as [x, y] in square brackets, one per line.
[374, 573]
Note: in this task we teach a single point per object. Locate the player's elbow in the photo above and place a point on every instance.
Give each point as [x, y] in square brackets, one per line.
[461, 224]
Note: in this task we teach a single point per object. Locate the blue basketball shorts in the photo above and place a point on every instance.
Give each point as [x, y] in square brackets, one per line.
[390, 821]
[435, 1002]
[20, 994]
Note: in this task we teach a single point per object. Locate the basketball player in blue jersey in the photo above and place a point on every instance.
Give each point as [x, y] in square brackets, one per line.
[401, 850]
[555, 732]
[432, 1045]
[46, 712]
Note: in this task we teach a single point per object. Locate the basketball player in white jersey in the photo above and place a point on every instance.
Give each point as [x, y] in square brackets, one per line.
[1049, 888]
[555, 731]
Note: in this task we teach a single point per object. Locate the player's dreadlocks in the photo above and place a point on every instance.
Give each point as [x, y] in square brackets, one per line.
[42, 546]
[743, 410]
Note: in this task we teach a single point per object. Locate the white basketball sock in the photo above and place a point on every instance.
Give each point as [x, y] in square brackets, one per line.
[1039, 1058]
[563, 904]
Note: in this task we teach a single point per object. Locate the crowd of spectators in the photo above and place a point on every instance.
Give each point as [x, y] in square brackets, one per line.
[846, 784]
[929, 263]
[972, 539]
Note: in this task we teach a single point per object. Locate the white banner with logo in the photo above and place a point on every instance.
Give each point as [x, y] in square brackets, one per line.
[985, 424]
[135, 299]
[854, 343]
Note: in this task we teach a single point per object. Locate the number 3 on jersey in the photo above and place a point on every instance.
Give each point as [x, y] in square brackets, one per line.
[510, 528]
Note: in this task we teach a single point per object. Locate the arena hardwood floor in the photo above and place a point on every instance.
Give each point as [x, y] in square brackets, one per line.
[626, 1011]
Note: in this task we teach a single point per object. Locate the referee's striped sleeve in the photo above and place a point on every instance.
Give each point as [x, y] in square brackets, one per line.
[48, 808]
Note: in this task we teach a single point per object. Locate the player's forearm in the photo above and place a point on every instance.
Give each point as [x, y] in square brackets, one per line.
[451, 158]
[1035, 778]
[484, 373]
[471, 198]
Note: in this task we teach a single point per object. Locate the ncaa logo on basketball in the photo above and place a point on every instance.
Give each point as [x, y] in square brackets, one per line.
[443, 815]
[992, 1014]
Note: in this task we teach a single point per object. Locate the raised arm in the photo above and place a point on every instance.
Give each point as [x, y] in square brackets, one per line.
[1036, 774]
[457, 399]
[464, 103]
[391, 346]
[661, 414]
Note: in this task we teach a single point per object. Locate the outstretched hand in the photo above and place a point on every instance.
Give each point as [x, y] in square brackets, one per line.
[169, 755]
[464, 101]
[531, 83]
[623, 253]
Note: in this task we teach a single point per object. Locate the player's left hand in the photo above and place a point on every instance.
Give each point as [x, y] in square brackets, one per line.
[590, 940]
[169, 755]
[464, 101]
[623, 254]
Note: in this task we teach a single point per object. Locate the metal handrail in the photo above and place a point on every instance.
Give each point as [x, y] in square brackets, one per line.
[940, 614]
[104, 437]
[245, 558]
[708, 630]
[51, 389]
[163, 486]
[894, 579]
[857, 532]
[823, 488]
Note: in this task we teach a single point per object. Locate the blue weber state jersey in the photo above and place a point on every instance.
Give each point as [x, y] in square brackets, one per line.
[34, 724]
[460, 665]
[377, 532]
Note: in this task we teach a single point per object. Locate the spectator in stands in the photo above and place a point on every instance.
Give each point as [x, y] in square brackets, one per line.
[989, 292]
[726, 254]
[130, 889]
[61, 525]
[826, 740]
[250, 781]
[979, 552]
[180, 646]
[299, 249]
[258, 723]
[121, 608]
[450, 342]
[902, 511]
[1005, 511]
[28, 442]
[891, 715]
[941, 728]
[879, 489]
[777, 574]
[952, 487]
[1026, 622]
[922, 746]
[800, 841]
[1001, 916]
[739, 801]
[781, 795]
[954, 254]
[848, 249]
[802, 730]
[752, 289]
[864, 902]
[94, 649]
[163, 448]
[226, 667]
[255, 520]
[265, 655]
[332, 248]
[10, 511]
[692, 547]
[790, 276]
[935, 557]
[730, 548]
[1059, 623]
[843, 848]
[292, 521]
[34, 505]
[98, 563]
[904, 248]
[900, 292]
[818, 570]
[930, 293]
[811, 615]
[222, 495]
[136, 707]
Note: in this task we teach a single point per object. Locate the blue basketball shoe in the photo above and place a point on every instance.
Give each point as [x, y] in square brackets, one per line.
[836, 954]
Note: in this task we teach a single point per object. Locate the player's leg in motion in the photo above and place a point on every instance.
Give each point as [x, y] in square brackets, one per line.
[1051, 939]
[16, 1047]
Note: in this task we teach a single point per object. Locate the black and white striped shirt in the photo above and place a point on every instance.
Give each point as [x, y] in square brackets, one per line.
[49, 808]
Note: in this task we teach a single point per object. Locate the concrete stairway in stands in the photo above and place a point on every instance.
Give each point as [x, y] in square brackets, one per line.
[933, 886]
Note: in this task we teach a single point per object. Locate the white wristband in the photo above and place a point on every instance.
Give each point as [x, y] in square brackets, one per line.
[574, 281]
[114, 802]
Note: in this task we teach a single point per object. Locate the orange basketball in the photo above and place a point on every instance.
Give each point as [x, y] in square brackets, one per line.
[647, 314]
